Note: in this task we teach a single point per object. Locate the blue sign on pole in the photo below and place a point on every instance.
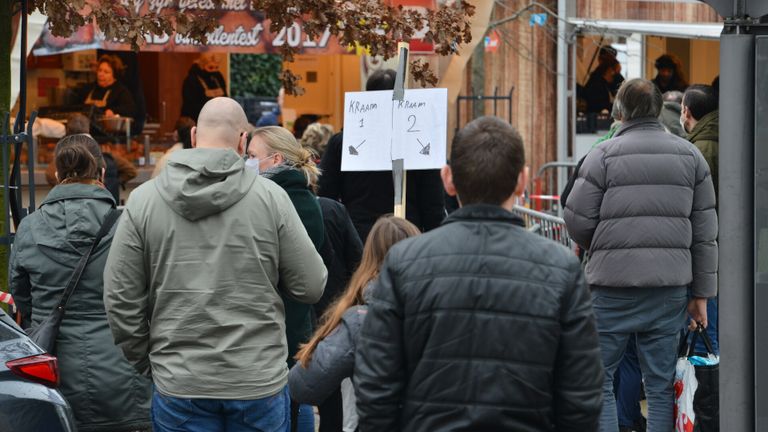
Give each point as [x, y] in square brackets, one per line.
[538, 19]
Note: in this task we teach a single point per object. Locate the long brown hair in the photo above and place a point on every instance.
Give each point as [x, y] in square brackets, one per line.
[387, 231]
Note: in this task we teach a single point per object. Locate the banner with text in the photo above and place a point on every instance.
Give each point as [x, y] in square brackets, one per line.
[240, 30]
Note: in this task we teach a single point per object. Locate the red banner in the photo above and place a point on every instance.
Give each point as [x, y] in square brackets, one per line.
[417, 44]
[240, 30]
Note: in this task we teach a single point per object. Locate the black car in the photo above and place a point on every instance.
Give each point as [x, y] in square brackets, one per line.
[29, 376]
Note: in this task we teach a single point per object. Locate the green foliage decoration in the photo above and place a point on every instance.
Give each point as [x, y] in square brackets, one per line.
[255, 74]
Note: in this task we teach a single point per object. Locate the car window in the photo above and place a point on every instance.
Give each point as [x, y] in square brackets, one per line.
[7, 327]
[7, 334]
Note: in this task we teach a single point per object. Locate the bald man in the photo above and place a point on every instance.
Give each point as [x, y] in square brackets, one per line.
[191, 283]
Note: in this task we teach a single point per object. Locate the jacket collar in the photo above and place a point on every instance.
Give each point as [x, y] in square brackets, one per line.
[706, 128]
[646, 123]
[484, 212]
[78, 191]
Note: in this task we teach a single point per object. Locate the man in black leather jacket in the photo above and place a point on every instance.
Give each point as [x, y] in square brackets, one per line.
[480, 325]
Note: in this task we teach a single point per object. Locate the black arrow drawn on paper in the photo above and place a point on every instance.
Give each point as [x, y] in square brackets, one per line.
[353, 149]
[424, 149]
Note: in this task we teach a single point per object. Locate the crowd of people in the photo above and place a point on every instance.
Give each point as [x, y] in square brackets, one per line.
[246, 284]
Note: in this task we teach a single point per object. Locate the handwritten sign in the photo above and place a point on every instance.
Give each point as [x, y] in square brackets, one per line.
[378, 130]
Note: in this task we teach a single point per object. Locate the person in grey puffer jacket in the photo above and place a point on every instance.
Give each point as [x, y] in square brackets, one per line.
[329, 357]
[644, 207]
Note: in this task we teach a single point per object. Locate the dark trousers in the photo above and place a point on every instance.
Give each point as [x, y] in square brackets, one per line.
[627, 385]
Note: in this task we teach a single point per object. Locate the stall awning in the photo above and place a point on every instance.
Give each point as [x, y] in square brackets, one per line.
[651, 28]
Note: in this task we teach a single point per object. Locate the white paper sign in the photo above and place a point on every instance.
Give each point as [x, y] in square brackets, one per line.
[367, 131]
[378, 130]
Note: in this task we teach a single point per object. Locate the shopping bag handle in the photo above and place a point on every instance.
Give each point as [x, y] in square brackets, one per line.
[700, 332]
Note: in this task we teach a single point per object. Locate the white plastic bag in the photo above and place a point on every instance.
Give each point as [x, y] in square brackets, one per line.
[685, 388]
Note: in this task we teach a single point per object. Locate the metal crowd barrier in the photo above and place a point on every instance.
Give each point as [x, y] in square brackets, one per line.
[547, 185]
[544, 224]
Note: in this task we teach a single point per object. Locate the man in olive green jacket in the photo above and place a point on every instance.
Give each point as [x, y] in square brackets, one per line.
[191, 283]
[701, 119]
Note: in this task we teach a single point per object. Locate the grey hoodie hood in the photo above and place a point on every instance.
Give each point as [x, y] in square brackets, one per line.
[201, 182]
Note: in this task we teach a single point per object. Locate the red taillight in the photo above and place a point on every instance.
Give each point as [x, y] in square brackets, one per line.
[43, 369]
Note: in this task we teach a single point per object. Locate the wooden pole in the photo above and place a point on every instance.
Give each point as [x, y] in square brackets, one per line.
[399, 175]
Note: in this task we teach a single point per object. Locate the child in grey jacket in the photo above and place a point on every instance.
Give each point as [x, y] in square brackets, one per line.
[329, 357]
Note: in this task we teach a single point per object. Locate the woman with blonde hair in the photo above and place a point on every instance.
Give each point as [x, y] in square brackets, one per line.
[274, 153]
[329, 357]
[316, 137]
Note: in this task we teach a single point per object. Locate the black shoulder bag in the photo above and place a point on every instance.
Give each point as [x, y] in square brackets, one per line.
[44, 335]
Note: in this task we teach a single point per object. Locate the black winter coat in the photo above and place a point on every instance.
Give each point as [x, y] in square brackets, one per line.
[116, 97]
[369, 195]
[341, 251]
[476, 326]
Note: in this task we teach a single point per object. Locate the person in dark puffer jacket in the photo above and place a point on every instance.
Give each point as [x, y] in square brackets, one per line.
[644, 207]
[480, 325]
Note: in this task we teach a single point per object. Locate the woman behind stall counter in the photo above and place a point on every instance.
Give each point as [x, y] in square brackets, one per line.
[204, 82]
[107, 93]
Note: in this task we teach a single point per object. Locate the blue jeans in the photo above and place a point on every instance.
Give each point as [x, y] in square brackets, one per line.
[305, 422]
[270, 414]
[711, 328]
[627, 386]
[656, 316]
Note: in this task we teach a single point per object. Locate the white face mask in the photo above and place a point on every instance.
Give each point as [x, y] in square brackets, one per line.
[253, 164]
[682, 123]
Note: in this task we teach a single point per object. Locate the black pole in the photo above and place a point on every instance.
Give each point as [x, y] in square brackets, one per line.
[509, 111]
[6, 179]
[458, 113]
[18, 127]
